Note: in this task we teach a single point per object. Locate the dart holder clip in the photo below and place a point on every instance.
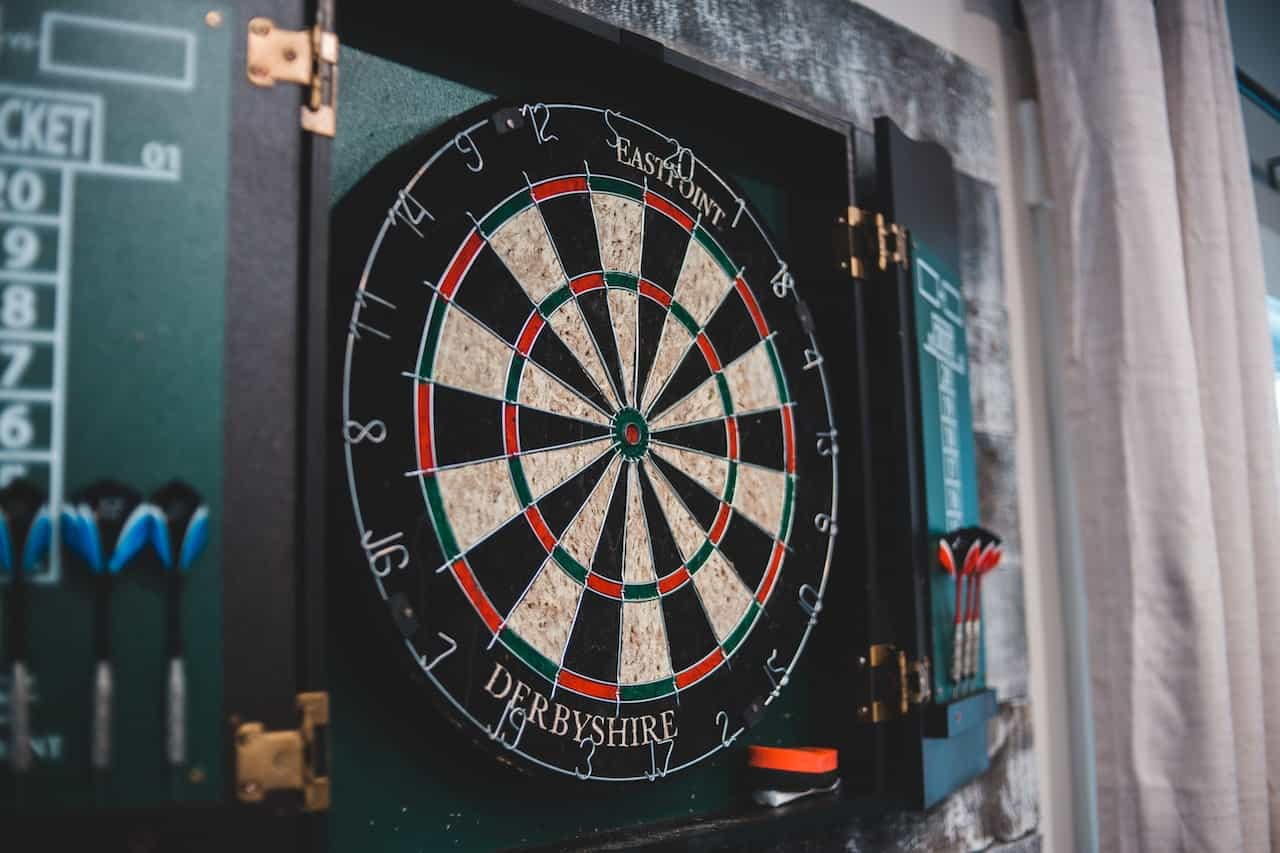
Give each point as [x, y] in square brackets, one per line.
[287, 760]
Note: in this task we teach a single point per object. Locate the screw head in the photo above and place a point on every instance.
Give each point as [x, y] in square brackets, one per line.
[257, 71]
[260, 28]
[213, 19]
[290, 54]
[250, 788]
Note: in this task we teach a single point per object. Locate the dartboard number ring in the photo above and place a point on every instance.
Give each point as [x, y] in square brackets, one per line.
[581, 420]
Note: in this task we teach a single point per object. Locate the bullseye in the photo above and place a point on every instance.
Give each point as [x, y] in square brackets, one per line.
[631, 432]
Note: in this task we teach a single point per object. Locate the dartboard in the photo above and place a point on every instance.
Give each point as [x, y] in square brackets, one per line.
[588, 439]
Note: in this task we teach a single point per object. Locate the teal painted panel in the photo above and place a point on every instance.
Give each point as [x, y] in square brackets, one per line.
[951, 762]
[382, 106]
[946, 419]
[119, 112]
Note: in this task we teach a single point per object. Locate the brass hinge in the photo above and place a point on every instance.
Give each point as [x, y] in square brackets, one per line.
[889, 684]
[287, 760]
[868, 239]
[307, 57]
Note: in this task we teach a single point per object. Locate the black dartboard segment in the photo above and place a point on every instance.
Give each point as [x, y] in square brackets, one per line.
[584, 430]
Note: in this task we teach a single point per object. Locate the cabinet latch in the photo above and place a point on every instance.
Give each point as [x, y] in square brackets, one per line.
[306, 57]
[865, 240]
[888, 684]
[289, 759]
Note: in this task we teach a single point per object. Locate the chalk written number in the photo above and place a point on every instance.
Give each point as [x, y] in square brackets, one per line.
[21, 190]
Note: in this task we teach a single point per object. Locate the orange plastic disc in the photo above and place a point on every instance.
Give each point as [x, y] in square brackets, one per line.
[803, 759]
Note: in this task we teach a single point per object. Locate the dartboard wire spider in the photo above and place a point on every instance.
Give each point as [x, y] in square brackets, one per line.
[631, 397]
[595, 381]
[640, 474]
[550, 563]
[454, 306]
[618, 395]
[450, 466]
[484, 538]
[693, 341]
[656, 416]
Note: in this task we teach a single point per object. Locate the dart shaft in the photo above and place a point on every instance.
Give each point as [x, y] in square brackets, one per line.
[957, 651]
[20, 719]
[103, 682]
[100, 749]
[176, 743]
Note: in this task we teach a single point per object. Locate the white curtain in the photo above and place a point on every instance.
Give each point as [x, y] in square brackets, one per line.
[1169, 411]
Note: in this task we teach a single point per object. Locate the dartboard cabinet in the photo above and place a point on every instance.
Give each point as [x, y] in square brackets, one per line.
[591, 415]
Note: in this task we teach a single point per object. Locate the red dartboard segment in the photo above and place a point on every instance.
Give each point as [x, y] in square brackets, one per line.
[510, 428]
[540, 528]
[559, 186]
[657, 294]
[673, 581]
[461, 263]
[731, 435]
[529, 334]
[604, 586]
[585, 283]
[699, 669]
[426, 460]
[718, 526]
[708, 352]
[771, 574]
[463, 575]
[753, 307]
[789, 439]
[660, 204]
[587, 686]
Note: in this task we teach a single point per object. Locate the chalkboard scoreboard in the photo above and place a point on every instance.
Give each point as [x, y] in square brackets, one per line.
[114, 161]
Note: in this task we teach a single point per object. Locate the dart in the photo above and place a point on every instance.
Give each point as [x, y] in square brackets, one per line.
[968, 575]
[112, 513]
[24, 540]
[179, 530]
[991, 554]
[946, 556]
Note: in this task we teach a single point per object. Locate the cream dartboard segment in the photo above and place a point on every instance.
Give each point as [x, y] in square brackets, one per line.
[581, 436]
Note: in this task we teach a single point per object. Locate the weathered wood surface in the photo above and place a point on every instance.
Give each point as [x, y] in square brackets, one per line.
[833, 55]
[850, 62]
